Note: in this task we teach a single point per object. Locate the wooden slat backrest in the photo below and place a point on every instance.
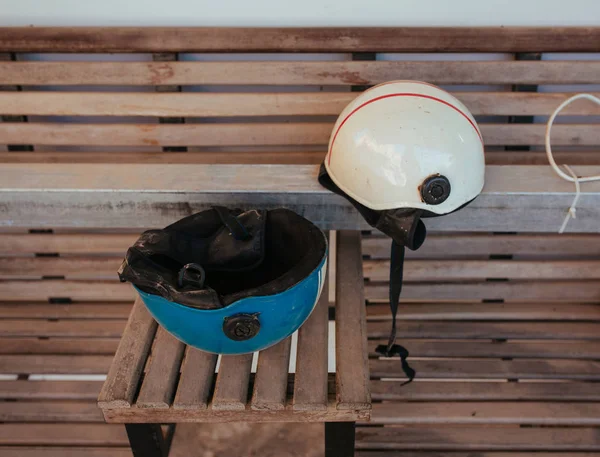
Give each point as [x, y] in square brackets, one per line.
[245, 112]
[325, 39]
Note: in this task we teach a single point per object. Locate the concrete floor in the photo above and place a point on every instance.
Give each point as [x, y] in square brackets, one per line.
[245, 440]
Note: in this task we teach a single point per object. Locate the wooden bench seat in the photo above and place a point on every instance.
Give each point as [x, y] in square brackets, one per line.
[502, 327]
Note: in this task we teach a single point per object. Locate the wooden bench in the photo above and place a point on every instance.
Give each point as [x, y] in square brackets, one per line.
[154, 379]
[482, 310]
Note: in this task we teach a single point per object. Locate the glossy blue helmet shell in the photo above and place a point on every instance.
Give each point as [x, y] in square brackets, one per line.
[279, 316]
[230, 281]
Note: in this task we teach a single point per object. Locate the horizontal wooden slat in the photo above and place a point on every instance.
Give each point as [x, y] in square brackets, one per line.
[479, 438]
[70, 327]
[294, 39]
[63, 243]
[486, 244]
[552, 291]
[71, 451]
[54, 411]
[493, 349]
[448, 270]
[70, 267]
[195, 415]
[257, 104]
[282, 157]
[65, 311]
[487, 311]
[390, 453]
[45, 195]
[63, 435]
[487, 413]
[228, 157]
[75, 290]
[489, 330]
[123, 378]
[375, 270]
[254, 134]
[490, 369]
[50, 390]
[483, 391]
[45, 345]
[55, 364]
[297, 73]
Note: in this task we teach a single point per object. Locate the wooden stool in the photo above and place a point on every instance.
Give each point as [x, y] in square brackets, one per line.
[155, 379]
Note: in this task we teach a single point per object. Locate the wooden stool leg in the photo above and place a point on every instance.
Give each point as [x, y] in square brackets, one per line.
[147, 440]
[339, 439]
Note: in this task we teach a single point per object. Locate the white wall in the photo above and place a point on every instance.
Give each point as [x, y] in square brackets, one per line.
[299, 12]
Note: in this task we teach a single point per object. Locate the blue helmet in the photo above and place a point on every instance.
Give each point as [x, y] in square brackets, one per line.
[227, 281]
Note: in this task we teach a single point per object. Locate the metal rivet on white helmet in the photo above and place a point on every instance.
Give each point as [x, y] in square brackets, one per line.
[435, 190]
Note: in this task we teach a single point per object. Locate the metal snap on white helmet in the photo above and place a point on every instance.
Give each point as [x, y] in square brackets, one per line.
[401, 151]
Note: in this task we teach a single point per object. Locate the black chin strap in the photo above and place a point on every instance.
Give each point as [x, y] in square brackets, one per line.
[396, 273]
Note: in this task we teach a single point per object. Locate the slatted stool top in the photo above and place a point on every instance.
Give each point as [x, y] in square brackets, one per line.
[154, 378]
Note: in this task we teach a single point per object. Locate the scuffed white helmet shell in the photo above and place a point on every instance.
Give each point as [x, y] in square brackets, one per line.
[389, 140]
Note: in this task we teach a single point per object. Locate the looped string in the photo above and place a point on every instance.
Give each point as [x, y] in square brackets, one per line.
[571, 177]
[572, 212]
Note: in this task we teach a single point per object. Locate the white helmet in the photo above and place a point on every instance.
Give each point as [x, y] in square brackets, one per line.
[401, 151]
[405, 145]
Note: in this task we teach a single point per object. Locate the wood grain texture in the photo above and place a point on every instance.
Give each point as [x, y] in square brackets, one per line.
[70, 267]
[59, 328]
[124, 374]
[50, 390]
[54, 364]
[44, 290]
[34, 195]
[258, 104]
[50, 411]
[63, 435]
[586, 350]
[526, 291]
[146, 415]
[197, 373]
[220, 157]
[369, 453]
[487, 312]
[449, 270]
[583, 370]
[483, 391]
[471, 438]
[277, 73]
[66, 243]
[489, 330]
[231, 390]
[162, 371]
[352, 371]
[18, 310]
[295, 39]
[310, 384]
[271, 380]
[256, 134]
[573, 414]
[62, 345]
[71, 451]
[457, 245]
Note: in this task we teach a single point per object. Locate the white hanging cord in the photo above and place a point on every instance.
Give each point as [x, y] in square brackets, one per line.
[571, 177]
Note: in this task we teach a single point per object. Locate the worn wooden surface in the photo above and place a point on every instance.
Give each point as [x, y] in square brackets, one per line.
[156, 195]
[293, 39]
[259, 104]
[272, 394]
[281, 73]
[507, 350]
